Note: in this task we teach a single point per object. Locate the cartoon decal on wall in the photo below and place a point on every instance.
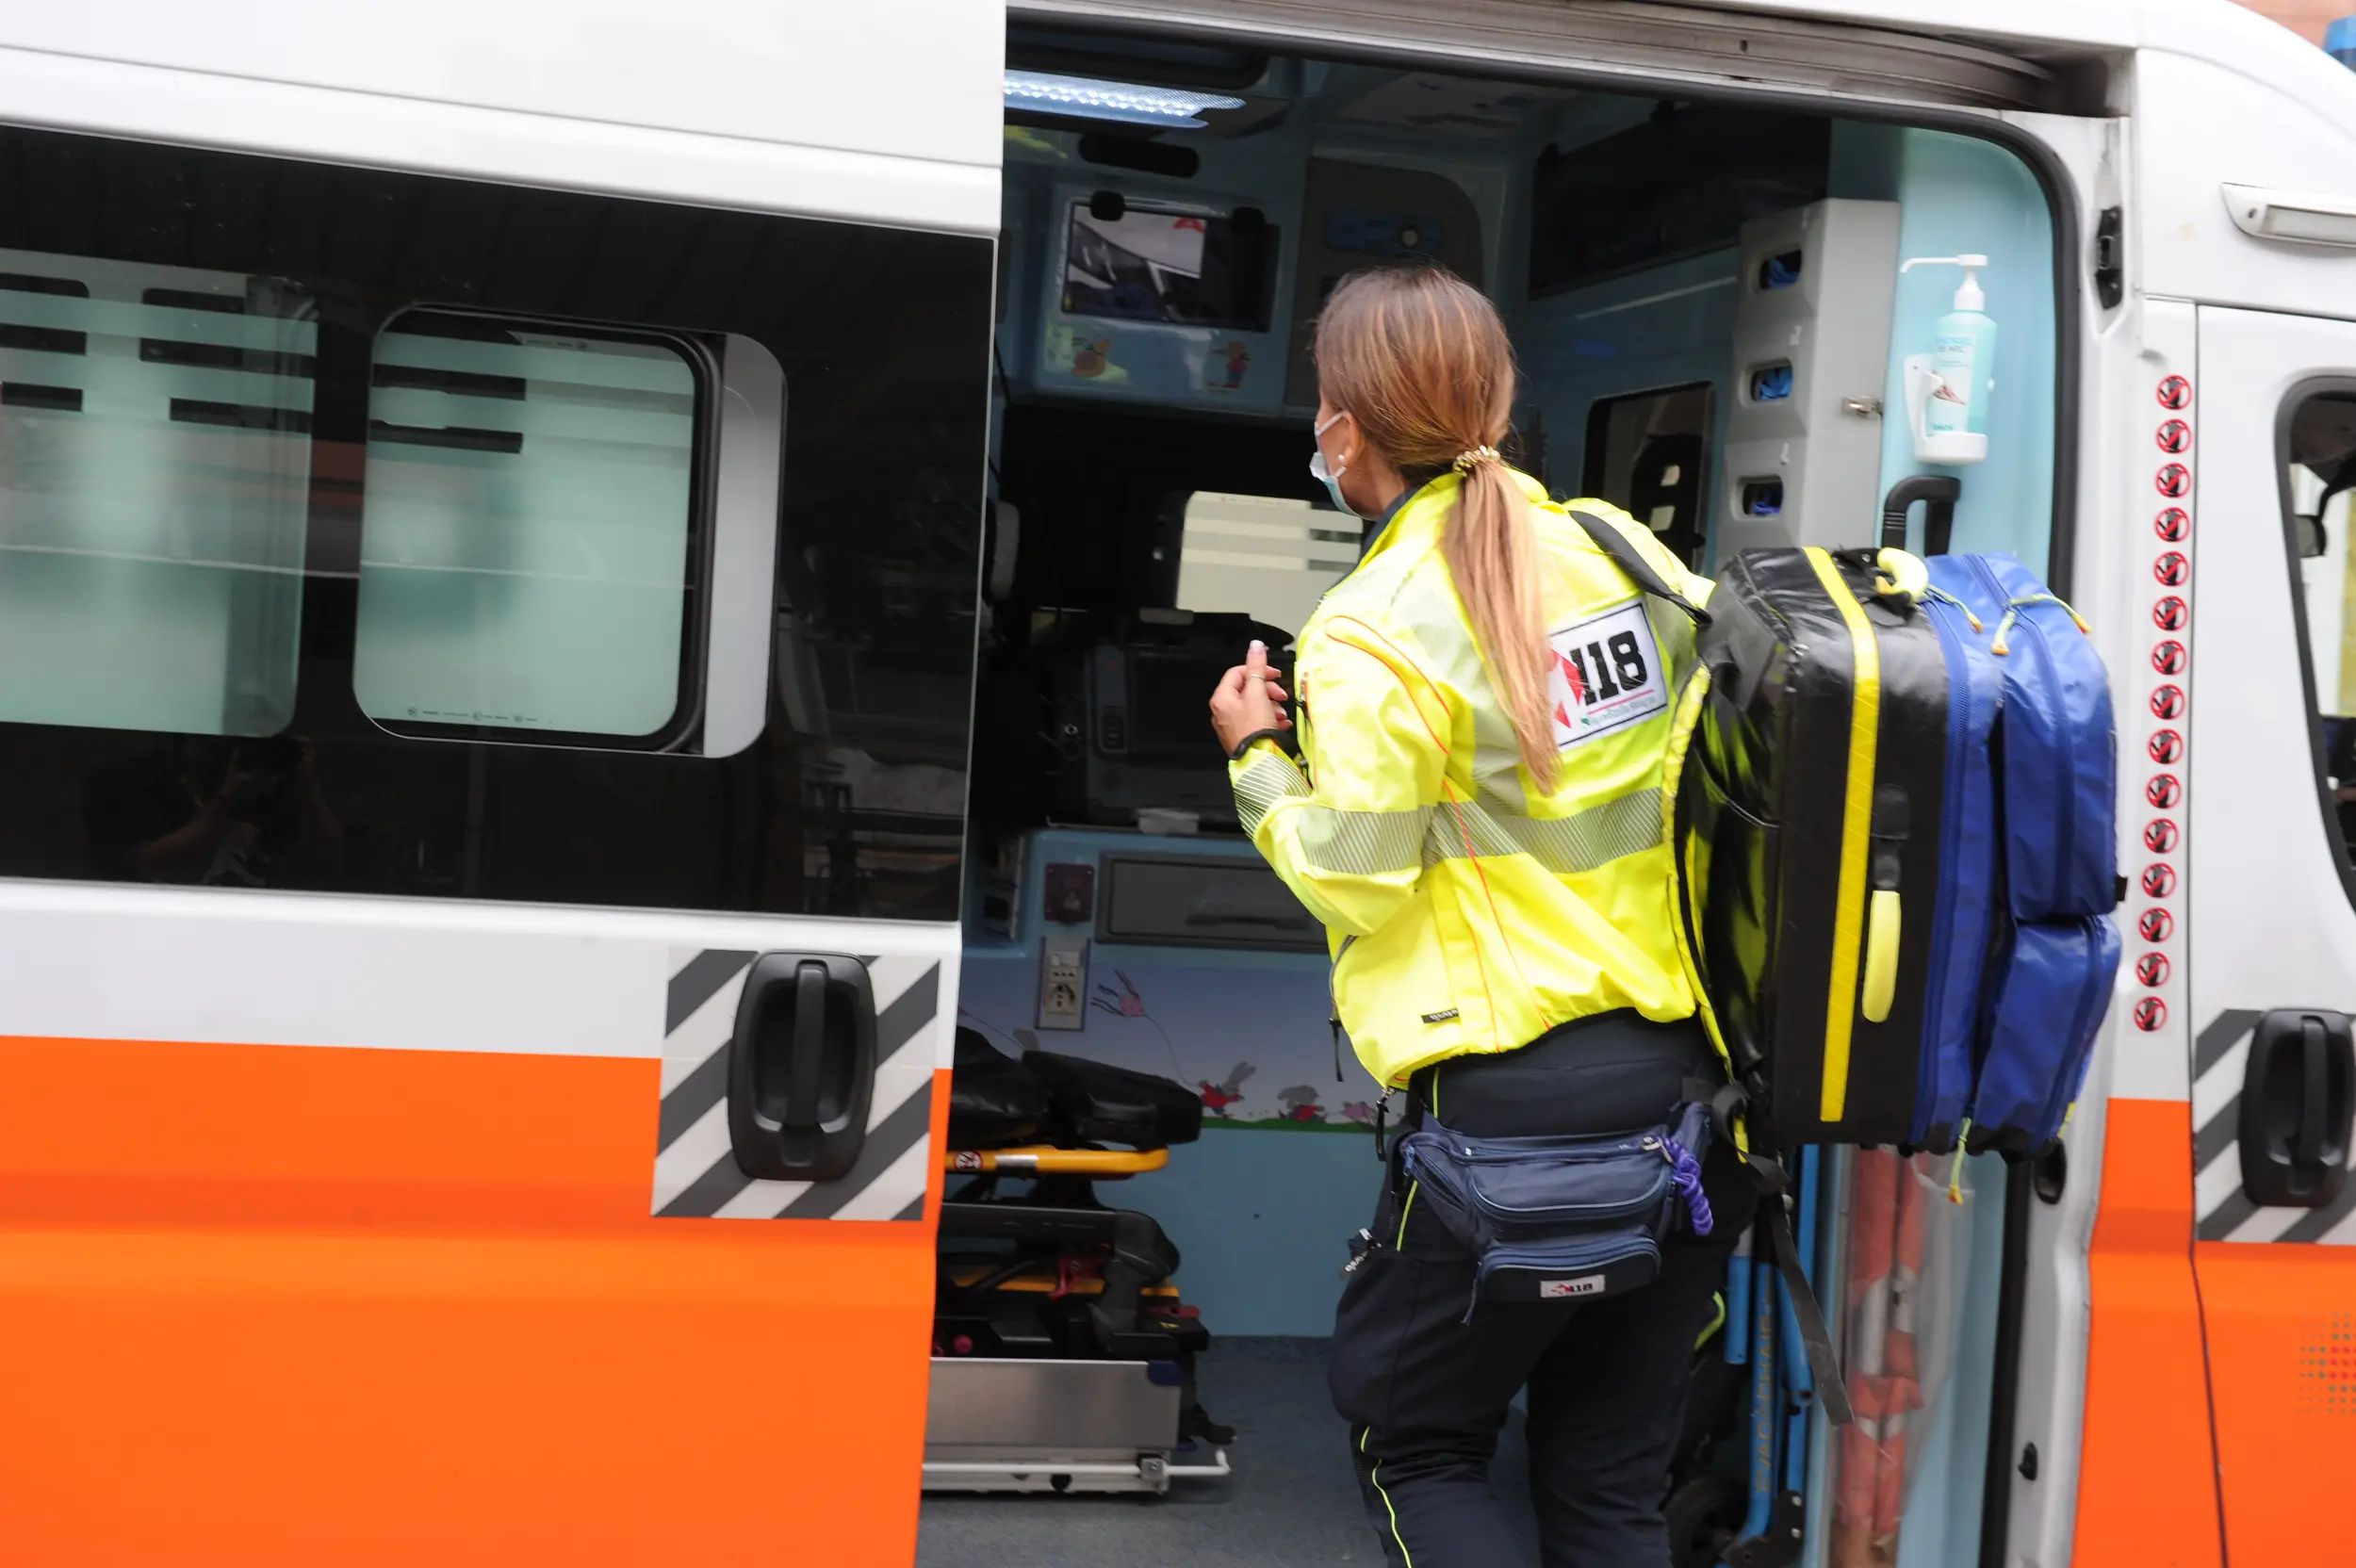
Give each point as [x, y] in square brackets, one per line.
[1217, 1097]
[1224, 369]
[1086, 355]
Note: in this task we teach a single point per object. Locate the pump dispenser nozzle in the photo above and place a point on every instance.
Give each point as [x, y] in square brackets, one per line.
[1969, 297]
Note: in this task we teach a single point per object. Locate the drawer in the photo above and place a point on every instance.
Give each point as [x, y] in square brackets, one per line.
[1167, 901]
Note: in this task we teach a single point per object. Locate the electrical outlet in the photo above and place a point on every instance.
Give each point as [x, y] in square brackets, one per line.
[1063, 983]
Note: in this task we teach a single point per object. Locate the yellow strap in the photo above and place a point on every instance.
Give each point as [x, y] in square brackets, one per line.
[1865, 711]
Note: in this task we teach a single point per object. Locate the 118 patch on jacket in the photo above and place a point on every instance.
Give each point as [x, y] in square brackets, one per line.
[1604, 675]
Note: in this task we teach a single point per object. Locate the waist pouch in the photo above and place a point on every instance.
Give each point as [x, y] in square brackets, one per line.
[1562, 1219]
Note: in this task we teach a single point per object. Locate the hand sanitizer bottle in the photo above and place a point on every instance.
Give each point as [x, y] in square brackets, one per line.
[1947, 390]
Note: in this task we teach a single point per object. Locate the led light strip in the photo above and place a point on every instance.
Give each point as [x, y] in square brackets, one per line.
[1084, 97]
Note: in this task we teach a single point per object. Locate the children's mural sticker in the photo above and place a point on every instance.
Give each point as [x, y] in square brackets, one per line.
[1224, 368]
[1254, 1044]
[1086, 353]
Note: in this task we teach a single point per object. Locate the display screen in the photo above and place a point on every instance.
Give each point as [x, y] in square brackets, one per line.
[1187, 269]
[1168, 692]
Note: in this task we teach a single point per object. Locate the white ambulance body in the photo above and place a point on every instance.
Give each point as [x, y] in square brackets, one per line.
[396, 408]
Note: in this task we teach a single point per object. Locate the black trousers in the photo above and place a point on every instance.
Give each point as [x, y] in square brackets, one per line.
[1426, 1393]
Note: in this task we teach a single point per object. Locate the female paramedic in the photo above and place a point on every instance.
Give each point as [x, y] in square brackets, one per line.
[1483, 711]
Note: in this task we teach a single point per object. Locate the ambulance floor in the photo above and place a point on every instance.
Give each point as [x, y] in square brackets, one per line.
[1292, 1502]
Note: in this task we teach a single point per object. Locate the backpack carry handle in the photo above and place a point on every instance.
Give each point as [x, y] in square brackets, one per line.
[1640, 571]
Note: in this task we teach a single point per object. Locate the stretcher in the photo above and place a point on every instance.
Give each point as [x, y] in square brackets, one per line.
[1063, 1356]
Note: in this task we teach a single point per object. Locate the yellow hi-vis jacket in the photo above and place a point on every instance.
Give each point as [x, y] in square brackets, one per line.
[1466, 912]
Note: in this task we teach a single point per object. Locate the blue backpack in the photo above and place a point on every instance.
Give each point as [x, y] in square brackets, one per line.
[2053, 952]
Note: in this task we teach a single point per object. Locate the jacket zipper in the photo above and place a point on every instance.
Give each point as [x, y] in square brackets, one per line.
[1333, 1022]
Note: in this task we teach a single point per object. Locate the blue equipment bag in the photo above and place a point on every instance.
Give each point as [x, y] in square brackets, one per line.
[2051, 987]
[1969, 877]
[2060, 760]
[1562, 1219]
[2055, 950]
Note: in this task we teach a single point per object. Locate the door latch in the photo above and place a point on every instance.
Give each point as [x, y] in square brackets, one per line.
[2297, 1103]
[802, 1066]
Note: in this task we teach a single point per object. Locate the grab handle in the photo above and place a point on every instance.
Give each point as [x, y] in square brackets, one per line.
[1881, 954]
[1891, 824]
[1939, 494]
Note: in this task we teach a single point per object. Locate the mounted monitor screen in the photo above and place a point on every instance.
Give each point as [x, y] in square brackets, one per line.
[1186, 268]
[1682, 183]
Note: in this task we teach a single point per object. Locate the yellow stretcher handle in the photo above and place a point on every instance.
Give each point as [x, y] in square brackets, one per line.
[1049, 1161]
[1881, 954]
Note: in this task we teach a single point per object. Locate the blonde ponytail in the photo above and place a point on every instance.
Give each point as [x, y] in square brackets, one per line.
[1421, 359]
[1493, 555]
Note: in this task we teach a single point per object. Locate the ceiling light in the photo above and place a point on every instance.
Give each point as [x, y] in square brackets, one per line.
[1085, 98]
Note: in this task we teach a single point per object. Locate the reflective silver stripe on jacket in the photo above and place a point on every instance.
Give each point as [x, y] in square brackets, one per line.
[1267, 778]
[1566, 846]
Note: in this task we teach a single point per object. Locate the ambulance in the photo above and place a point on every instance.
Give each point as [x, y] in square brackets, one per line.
[561, 568]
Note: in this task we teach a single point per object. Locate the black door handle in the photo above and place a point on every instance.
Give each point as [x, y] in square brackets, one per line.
[2297, 1106]
[802, 1066]
[2314, 1073]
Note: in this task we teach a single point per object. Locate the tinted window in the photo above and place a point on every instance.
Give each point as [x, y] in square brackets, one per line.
[2319, 473]
[155, 482]
[525, 525]
[271, 511]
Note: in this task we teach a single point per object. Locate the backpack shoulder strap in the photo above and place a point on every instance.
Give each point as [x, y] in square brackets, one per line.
[1625, 555]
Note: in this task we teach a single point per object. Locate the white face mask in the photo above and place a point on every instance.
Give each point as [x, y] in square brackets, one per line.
[1330, 478]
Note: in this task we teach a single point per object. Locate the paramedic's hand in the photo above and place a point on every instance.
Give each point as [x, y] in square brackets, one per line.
[1247, 700]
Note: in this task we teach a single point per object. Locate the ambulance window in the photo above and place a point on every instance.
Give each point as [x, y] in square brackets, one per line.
[391, 534]
[1269, 557]
[154, 482]
[2320, 472]
[1648, 453]
[526, 529]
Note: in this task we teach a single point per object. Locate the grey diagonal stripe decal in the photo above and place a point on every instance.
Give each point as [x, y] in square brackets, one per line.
[2222, 1221]
[696, 1174]
[899, 1024]
[2217, 1134]
[2314, 1225]
[695, 985]
[2217, 1037]
[696, 1094]
[715, 1187]
[886, 1142]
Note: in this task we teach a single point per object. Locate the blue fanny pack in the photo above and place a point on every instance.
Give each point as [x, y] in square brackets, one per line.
[1562, 1219]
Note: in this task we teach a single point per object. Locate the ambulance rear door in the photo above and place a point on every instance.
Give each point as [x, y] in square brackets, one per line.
[489, 512]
